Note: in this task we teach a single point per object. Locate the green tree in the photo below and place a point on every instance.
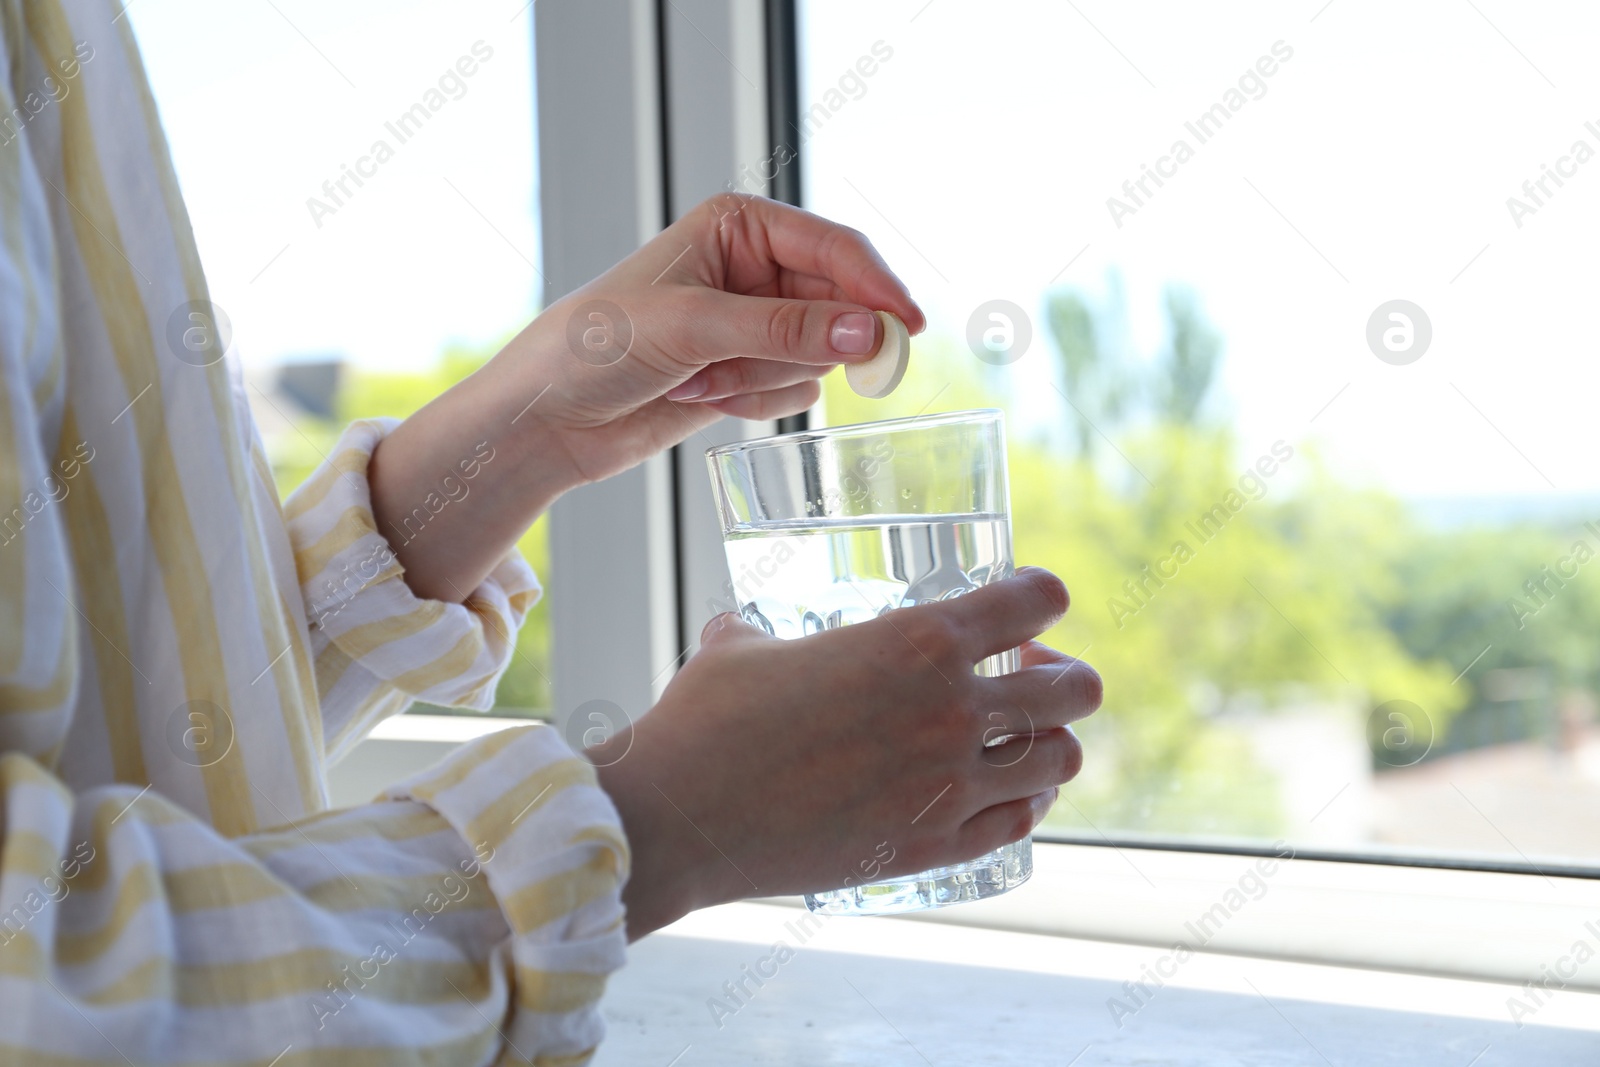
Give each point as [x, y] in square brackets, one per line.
[1285, 604]
[1188, 366]
[1523, 597]
[1289, 602]
[1097, 382]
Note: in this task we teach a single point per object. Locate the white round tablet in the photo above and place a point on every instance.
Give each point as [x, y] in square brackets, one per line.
[878, 376]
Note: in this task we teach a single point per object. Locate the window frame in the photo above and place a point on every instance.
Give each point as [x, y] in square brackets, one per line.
[677, 121]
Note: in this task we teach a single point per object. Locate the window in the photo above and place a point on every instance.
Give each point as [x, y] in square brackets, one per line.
[1282, 313]
[361, 181]
[1165, 338]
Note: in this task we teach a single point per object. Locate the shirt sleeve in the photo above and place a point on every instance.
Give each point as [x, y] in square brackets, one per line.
[377, 646]
[470, 916]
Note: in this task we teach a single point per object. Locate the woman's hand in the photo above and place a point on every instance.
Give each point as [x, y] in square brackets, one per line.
[735, 309]
[787, 766]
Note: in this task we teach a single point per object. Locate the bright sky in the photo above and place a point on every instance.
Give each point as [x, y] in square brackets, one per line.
[1376, 166]
[980, 156]
[262, 108]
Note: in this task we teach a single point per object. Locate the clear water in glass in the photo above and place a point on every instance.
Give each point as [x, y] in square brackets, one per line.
[798, 577]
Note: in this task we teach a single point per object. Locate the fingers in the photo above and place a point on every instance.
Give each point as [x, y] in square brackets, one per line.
[807, 244]
[773, 404]
[1054, 690]
[1024, 765]
[806, 287]
[735, 377]
[1000, 615]
[721, 325]
[1003, 823]
[1034, 653]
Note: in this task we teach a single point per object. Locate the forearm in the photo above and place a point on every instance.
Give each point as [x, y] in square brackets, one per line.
[456, 484]
[728, 292]
[675, 868]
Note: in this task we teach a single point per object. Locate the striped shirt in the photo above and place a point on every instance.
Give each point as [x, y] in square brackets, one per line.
[181, 657]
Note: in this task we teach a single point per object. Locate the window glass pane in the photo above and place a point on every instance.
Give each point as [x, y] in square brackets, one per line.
[1289, 320]
[361, 181]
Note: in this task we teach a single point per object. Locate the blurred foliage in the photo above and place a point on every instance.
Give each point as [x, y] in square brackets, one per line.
[1189, 364]
[1302, 593]
[364, 393]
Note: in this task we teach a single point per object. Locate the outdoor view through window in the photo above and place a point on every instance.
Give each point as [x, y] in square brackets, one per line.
[1290, 321]
[361, 180]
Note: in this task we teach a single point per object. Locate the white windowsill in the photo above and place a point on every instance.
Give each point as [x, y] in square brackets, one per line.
[401, 746]
[452, 729]
[881, 991]
[1451, 923]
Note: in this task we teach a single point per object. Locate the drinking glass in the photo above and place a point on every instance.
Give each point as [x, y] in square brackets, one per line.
[825, 528]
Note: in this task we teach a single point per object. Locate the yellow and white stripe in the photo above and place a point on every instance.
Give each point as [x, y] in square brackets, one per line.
[172, 888]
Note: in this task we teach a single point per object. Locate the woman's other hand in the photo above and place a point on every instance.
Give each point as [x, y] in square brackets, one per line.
[788, 766]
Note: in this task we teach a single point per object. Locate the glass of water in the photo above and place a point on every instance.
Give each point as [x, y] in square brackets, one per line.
[825, 528]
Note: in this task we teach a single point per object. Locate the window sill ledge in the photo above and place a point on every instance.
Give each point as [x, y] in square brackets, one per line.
[403, 745]
[872, 991]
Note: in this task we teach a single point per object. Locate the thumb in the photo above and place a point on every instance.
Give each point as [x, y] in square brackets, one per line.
[730, 627]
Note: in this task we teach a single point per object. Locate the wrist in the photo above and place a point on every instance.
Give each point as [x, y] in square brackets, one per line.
[523, 387]
[674, 868]
[498, 472]
[512, 397]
